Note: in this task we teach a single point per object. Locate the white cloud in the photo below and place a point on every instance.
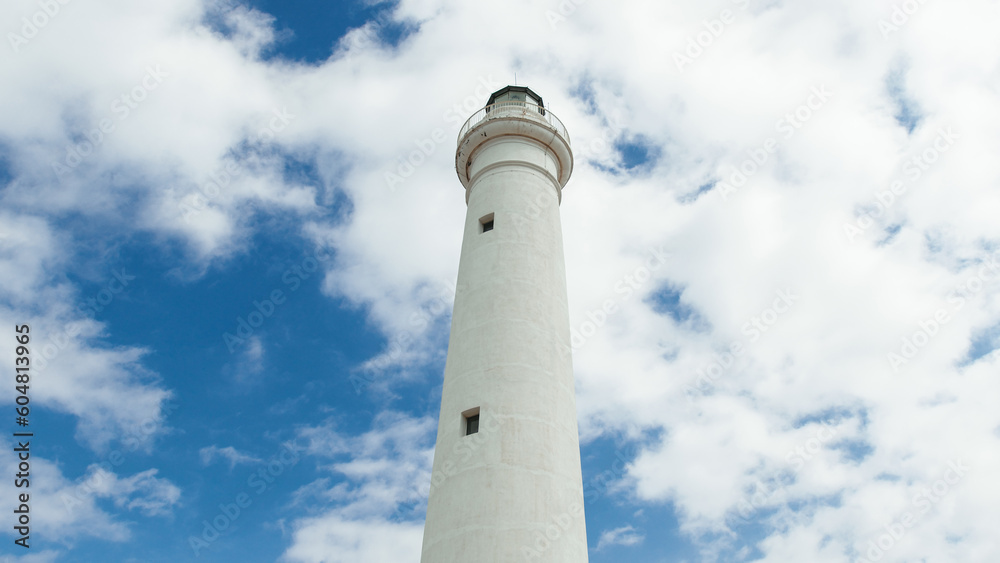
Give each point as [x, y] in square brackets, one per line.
[107, 388]
[69, 511]
[332, 538]
[115, 399]
[381, 495]
[232, 455]
[143, 492]
[626, 535]
[46, 556]
[249, 358]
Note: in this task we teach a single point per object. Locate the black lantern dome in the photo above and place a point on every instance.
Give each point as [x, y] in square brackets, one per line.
[515, 94]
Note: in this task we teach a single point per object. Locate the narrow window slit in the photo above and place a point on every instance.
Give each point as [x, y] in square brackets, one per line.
[470, 421]
[486, 223]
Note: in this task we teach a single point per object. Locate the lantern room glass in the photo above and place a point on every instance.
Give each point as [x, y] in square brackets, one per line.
[511, 97]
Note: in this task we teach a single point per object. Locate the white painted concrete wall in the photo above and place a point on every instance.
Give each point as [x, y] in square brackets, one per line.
[513, 492]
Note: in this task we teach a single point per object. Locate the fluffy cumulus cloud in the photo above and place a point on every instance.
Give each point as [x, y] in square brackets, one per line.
[781, 240]
[73, 510]
[386, 475]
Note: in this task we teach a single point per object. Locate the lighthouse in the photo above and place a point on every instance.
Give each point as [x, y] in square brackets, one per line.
[506, 484]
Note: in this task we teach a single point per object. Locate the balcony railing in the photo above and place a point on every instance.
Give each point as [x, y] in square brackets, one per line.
[515, 109]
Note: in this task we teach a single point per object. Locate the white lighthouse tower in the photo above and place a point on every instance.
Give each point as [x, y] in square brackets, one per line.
[506, 483]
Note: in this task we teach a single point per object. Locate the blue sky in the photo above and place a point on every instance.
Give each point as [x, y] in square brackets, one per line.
[235, 237]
